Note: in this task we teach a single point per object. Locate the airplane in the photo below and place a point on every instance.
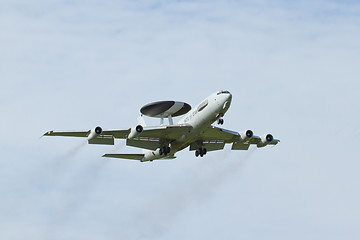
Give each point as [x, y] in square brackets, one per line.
[194, 129]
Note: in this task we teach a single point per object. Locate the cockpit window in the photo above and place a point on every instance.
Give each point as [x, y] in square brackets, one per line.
[221, 92]
[202, 105]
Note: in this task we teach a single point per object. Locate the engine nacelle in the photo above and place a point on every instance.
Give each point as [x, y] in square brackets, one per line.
[151, 155]
[135, 131]
[95, 132]
[246, 135]
[265, 140]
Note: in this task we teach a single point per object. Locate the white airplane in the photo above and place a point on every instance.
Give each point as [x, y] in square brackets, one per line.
[194, 129]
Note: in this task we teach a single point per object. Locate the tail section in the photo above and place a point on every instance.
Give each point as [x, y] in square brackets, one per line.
[126, 156]
[146, 156]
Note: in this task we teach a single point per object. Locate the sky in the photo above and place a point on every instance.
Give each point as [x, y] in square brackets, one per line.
[291, 66]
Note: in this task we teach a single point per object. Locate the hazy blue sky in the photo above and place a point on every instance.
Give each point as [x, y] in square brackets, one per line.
[293, 70]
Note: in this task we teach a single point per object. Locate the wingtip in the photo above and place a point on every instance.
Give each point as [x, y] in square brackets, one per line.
[47, 133]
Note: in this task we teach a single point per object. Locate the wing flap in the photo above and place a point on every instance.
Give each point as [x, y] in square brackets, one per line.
[103, 140]
[209, 145]
[119, 133]
[240, 146]
[146, 143]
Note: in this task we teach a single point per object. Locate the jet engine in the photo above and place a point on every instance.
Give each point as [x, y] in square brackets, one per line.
[151, 155]
[135, 131]
[246, 135]
[265, 140]
[94, 133]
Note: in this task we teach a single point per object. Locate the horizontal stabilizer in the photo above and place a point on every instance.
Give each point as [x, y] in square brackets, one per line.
[125, 156]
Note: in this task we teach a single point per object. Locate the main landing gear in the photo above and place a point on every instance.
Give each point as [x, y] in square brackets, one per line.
[220, 121]
[164, 150]
[201, 152]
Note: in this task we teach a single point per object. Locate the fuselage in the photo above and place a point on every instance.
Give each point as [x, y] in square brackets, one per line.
[200, 118]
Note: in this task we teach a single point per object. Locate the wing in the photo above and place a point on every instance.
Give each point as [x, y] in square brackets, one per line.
[105, 138]
[215, 138]
[114, 133]
[150, 137]
[216, 133]
[68, 134]
[168, 132]
[257, 140]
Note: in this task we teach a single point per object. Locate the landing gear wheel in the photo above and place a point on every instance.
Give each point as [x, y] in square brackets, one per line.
[160, 151]
[164, 151]
[220, 121]
[201, 152]
[197, 153]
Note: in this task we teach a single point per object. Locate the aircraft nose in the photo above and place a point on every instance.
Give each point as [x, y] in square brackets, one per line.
[229, 97]
[226, 101]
